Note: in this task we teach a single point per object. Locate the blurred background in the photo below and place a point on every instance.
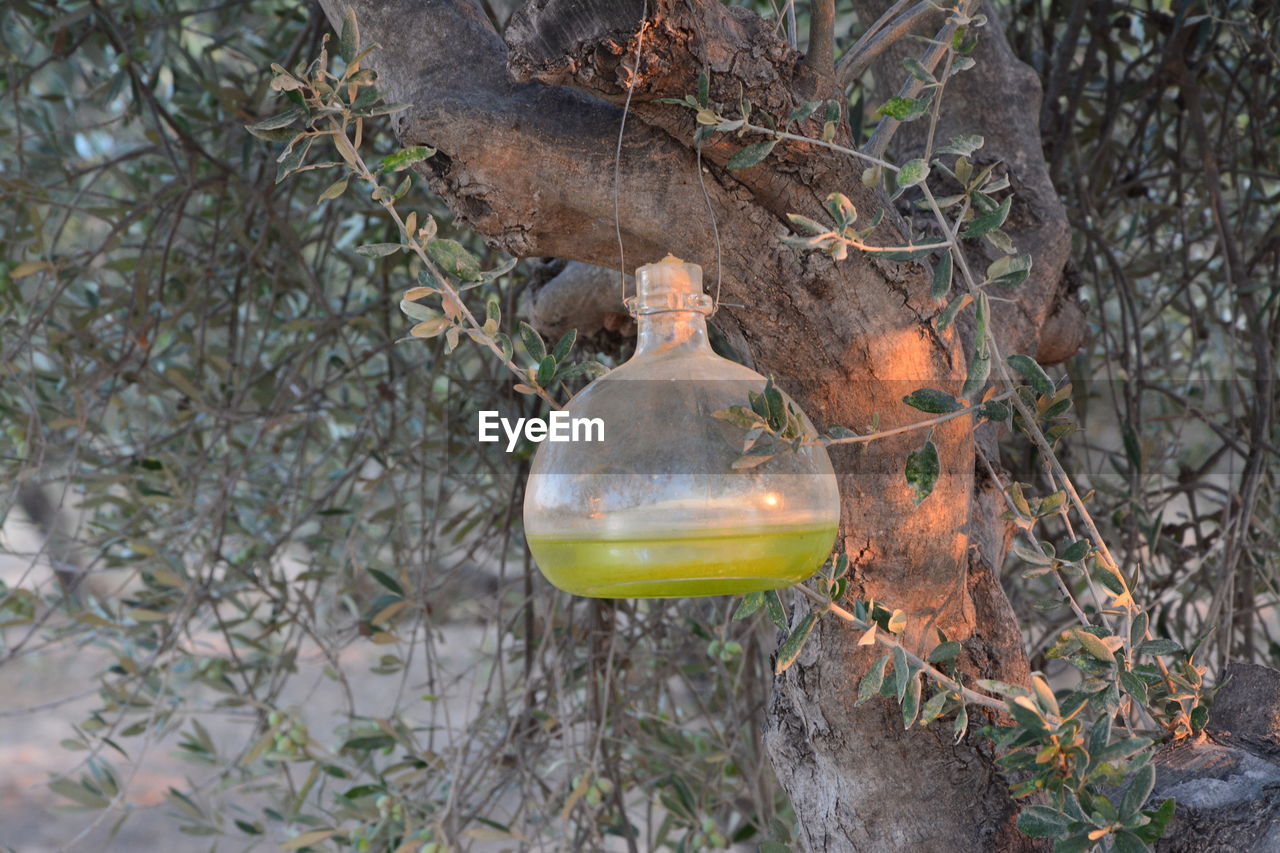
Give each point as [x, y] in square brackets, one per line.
[257, 579]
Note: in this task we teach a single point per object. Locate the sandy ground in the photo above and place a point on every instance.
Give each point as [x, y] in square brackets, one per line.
[42, 696]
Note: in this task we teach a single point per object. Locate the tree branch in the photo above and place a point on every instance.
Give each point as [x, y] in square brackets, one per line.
[822, 36]
[590, 46]
[882, 35]
[521, 162]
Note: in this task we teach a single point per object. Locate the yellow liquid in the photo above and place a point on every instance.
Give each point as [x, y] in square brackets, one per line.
[688, 564]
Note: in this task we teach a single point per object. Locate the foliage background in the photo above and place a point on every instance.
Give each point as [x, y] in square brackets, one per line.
[264, 533]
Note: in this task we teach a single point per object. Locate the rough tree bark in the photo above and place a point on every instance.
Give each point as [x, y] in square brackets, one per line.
[526, 130]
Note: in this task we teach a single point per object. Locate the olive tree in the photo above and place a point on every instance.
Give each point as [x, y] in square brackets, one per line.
[610, 133]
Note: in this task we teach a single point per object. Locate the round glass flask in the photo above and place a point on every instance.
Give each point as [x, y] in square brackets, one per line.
[657, 508]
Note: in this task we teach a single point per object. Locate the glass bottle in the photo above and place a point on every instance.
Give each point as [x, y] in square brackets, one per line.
[658, 508]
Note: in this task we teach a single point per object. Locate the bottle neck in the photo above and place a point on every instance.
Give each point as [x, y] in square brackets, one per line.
[669, 330]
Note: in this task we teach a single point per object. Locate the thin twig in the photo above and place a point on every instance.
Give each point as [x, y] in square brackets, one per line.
[888, 641]
[852, 152]
[876, 436]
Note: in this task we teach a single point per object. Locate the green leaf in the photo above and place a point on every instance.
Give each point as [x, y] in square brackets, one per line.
[275, 122]
[387, 581]
[1159, 647]
[911, 701]
[1094, 646]
[334, 190]
[1159, 819]
[79, 793]
[405, 157]
[932, 400]
[1128, 842]
[532, 342]
[1074, 844]
[777, 407]
[492, 315]
[403, 187]
[901, 671]
[989, 221]
[904, 109]
[810, 225]
[751, 602]
[365, 100]
[961, 724]
[546, 371]
[948, 314]
[704, 89]
[740, 416]
[1135, 797]
[290, 162]
[417, 311]
[1042, 822]
[1044, 695]
[1031, 555]
[1009, 271]
[933, 709]
[918, 71]
[841, 209]
[922, 471]
[590, 369]
[306, 839]
[942, 273]
[1000, 240]
[1027, 715]
[979, 367]
[1031, 370]
[564, 346]
[751, 155]
[378, 250]
[944, 652]
[794, 643]
[454, 259]
[962, 145]
[1138, 629]
[1075, 552]
[803, 111]
[994, 410]
[349, 40]
[773, 606]
[1121, 749]
[871, 683]
[912, 173]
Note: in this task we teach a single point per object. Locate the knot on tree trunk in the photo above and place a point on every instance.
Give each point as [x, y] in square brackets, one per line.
[583, 297]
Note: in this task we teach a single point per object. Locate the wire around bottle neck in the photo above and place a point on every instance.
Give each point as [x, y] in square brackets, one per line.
[642, 305]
